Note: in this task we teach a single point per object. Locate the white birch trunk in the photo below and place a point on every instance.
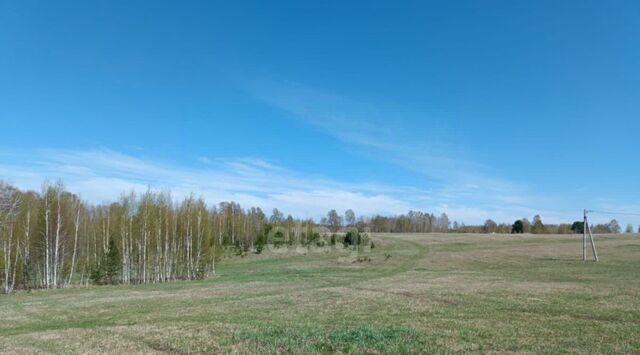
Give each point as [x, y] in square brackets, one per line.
[75, 245]
[56, 246]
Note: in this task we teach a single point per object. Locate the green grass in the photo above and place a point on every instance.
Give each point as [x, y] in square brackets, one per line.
[435, 294]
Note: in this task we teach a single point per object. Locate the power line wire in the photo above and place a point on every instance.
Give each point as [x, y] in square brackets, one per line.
[615, 212]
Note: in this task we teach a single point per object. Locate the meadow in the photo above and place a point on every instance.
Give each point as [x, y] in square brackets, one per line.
[412, 293]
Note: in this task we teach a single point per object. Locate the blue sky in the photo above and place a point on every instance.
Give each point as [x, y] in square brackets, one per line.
[499, 109]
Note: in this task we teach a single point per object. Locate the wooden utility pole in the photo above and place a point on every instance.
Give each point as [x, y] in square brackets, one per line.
[584, 237]
[586, 229]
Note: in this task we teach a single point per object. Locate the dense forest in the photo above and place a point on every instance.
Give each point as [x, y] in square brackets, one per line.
[52, 238]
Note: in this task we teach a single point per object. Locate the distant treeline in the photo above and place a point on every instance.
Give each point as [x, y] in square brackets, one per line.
[52, 238]
[537, 227]
[419, 222]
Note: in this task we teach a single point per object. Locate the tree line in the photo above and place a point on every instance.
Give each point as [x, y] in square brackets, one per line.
[53, 239]
[537, 227]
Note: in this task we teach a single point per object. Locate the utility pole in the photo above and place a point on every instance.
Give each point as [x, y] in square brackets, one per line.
[584, 237]
[587, 229]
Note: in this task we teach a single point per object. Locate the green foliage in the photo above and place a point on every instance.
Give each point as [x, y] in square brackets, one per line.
[518, 227]
[277, 238]
[201, 271]
[112, 265]
[261, 240]
[97, 274]
[334, 237]
[578, 227]
[286, 304]
[106, 272]
[365, 339]
[354, 237]
[315, 238]
[351, 238]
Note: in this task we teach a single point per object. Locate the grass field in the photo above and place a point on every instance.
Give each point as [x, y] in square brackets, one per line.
[431, 293]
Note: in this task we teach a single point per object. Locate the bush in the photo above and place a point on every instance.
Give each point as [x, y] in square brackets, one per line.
[278, 239]
[261, 240]
[314, 238]
[355, 238]
[351, 238]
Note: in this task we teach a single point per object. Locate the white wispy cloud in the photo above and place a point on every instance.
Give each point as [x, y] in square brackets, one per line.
[101, 175]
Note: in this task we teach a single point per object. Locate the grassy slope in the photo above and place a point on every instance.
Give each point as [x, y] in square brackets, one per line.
[436, 293]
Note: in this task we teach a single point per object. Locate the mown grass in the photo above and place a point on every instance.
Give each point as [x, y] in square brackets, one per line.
[434, 294]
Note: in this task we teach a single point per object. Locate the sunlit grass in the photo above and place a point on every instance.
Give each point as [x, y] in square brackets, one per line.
[418, 293]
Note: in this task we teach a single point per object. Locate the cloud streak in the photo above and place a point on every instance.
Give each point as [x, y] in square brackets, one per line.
[100, 175]
[382, 135]
[453, 184]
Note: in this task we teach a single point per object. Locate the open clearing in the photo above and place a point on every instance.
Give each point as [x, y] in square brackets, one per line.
[436, 293]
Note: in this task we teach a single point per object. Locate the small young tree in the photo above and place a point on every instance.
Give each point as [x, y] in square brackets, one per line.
[490, 226]
[537, 227]
[517, 227]
[106, 271]
[112, 264]
[261, 240]
[629, 229]
[614, 227]
[334, 221]
[277, 217]
[350, 217]
[351, 238]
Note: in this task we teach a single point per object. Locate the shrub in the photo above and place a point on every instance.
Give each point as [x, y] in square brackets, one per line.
[261, 240]
[355, 238]
[351, 238]
[314, 238]
[278, 238]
